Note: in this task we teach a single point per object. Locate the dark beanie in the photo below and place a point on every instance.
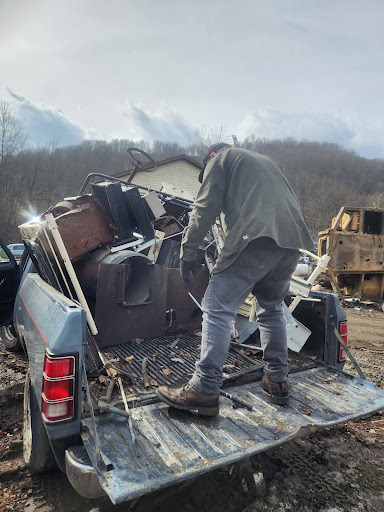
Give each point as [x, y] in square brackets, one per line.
[207, 155]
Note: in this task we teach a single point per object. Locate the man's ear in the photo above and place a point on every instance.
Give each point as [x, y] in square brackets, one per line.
[213, 154]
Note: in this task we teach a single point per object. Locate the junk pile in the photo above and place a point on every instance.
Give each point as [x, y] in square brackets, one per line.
[124, 248]
[116, 251]
[355, 243]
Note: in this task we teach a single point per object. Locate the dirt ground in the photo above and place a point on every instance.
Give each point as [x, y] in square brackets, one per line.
[333, 470]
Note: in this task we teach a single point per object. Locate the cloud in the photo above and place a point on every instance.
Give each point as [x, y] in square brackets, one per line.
[166, 125]
[43, 123]
[364, 138]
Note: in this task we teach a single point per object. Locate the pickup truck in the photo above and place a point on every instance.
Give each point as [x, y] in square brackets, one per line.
[99, 307]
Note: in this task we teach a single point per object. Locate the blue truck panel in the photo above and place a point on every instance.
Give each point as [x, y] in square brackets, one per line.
[49, 322]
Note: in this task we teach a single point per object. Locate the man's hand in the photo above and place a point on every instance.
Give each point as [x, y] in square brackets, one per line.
[186, 269]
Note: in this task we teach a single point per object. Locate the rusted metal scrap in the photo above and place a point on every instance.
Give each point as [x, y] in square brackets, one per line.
[144, 373]
[237, 400]
[355, 243]
[83, 225]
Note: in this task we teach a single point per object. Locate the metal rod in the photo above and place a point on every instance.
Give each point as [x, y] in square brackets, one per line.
[120, 383]
[243, 356]
[89, 400]
[252, 347]
[112, 408]
[144, 373]
[236, 400]
[111, 385]
[344, 345]
[314, 256]
[127, 411]
[195, 301]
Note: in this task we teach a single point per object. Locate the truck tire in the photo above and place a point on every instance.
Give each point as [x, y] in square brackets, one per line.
[37, 450]
[9, 338]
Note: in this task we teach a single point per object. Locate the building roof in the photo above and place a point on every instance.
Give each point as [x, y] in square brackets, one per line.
[192, 160]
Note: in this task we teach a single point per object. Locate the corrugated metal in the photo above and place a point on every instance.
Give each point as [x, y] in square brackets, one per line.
[177, 445]
[180, 173]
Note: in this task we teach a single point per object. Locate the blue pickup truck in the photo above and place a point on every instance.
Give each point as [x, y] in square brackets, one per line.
[98, 306]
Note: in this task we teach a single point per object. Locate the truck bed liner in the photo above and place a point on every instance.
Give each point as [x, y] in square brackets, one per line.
[171, 360]
[176, 445]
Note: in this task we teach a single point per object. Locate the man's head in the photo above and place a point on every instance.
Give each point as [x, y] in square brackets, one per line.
[210, 153]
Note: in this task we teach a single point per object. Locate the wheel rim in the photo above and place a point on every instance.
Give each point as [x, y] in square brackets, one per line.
[9, 333]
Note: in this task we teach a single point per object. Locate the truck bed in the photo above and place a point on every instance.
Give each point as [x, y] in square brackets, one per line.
[174, 445]
[170, 360]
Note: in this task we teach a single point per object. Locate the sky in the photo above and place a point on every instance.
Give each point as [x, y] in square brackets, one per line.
[162, 69]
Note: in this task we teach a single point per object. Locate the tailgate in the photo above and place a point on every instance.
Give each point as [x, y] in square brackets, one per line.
[175, 445]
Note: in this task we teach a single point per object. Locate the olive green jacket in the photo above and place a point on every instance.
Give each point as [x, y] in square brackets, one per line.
[256, 199]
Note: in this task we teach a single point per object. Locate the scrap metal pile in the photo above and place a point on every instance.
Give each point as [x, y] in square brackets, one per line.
[124, 248]
[355, 244]
[116, 252]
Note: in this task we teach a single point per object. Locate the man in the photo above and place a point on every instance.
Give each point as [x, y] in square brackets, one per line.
[264, 230]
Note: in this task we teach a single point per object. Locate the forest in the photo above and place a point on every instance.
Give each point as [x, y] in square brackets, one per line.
[324, 176]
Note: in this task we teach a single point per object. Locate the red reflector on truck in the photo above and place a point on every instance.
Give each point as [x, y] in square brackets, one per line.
[60, 367]
[343, 329]
[58, 390]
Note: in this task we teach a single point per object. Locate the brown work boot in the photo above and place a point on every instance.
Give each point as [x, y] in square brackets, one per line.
[189, 399]
[278, 391]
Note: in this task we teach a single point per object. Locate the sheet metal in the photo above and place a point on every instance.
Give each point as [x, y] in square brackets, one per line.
[185, 314]
[83, 227]
[176, 445]
[122, 313]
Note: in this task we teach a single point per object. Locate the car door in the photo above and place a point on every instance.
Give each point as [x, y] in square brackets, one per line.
[9, 281]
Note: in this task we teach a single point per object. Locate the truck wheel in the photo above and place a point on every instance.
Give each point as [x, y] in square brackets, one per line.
[9, 338]
[36, 447]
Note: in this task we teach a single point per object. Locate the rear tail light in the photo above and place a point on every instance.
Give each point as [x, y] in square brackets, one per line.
[343, 329]
[58, 390]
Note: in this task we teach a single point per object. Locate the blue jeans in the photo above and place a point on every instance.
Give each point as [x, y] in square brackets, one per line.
[264, 269]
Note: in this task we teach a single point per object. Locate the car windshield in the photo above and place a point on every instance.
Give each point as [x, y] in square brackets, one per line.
[3, 257]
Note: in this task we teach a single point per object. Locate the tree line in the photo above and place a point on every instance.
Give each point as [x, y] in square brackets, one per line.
[324, 176]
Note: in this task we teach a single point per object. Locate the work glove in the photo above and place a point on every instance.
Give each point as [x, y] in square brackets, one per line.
[187, 271]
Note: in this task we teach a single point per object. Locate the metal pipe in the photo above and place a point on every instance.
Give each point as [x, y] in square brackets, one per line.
[252, 347]
[314, 256]
[119, 381]
[236, 400]
[344, 345]
[112, 408]
[195, 301]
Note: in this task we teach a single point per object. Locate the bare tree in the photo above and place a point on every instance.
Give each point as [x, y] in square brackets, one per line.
[12, 141]
[201, 138]
[12, 137]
